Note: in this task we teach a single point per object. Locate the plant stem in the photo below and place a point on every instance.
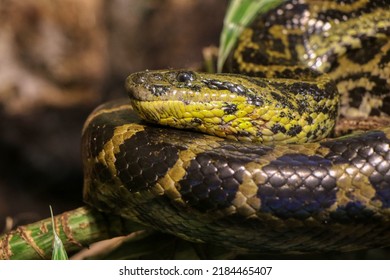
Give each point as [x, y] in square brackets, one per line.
[77, 228]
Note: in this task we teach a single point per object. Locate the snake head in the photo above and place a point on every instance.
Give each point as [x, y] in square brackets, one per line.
[234, 106]
[186, 86]
[187, 99]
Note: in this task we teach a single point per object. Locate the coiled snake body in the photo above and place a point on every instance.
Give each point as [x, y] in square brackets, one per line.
[295, 191]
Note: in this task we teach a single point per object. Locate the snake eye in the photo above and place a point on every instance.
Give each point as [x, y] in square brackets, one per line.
[184, 77]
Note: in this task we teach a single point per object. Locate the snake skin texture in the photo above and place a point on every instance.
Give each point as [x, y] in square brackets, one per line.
[332, 194]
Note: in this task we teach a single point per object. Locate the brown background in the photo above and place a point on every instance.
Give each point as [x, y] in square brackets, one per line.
[60, 59]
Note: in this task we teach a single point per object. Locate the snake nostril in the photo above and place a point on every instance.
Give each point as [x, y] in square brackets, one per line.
[138, 78]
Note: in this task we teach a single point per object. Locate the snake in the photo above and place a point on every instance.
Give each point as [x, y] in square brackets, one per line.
[247, 159]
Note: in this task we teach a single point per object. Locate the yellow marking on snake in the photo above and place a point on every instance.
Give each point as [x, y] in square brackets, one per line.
[111, 148]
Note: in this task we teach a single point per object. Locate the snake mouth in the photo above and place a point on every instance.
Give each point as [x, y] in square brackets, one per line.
[142, 87]
[187, 87]
[139, 93]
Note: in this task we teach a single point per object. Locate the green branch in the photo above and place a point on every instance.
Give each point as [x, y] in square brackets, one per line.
[76, 228]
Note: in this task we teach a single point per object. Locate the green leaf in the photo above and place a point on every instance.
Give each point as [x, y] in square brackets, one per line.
[59, 252]
[240, 14]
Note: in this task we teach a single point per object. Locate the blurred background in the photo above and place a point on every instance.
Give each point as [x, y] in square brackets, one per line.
[58, 61]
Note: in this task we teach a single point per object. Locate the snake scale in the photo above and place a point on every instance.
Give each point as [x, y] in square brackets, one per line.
[286, 185]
